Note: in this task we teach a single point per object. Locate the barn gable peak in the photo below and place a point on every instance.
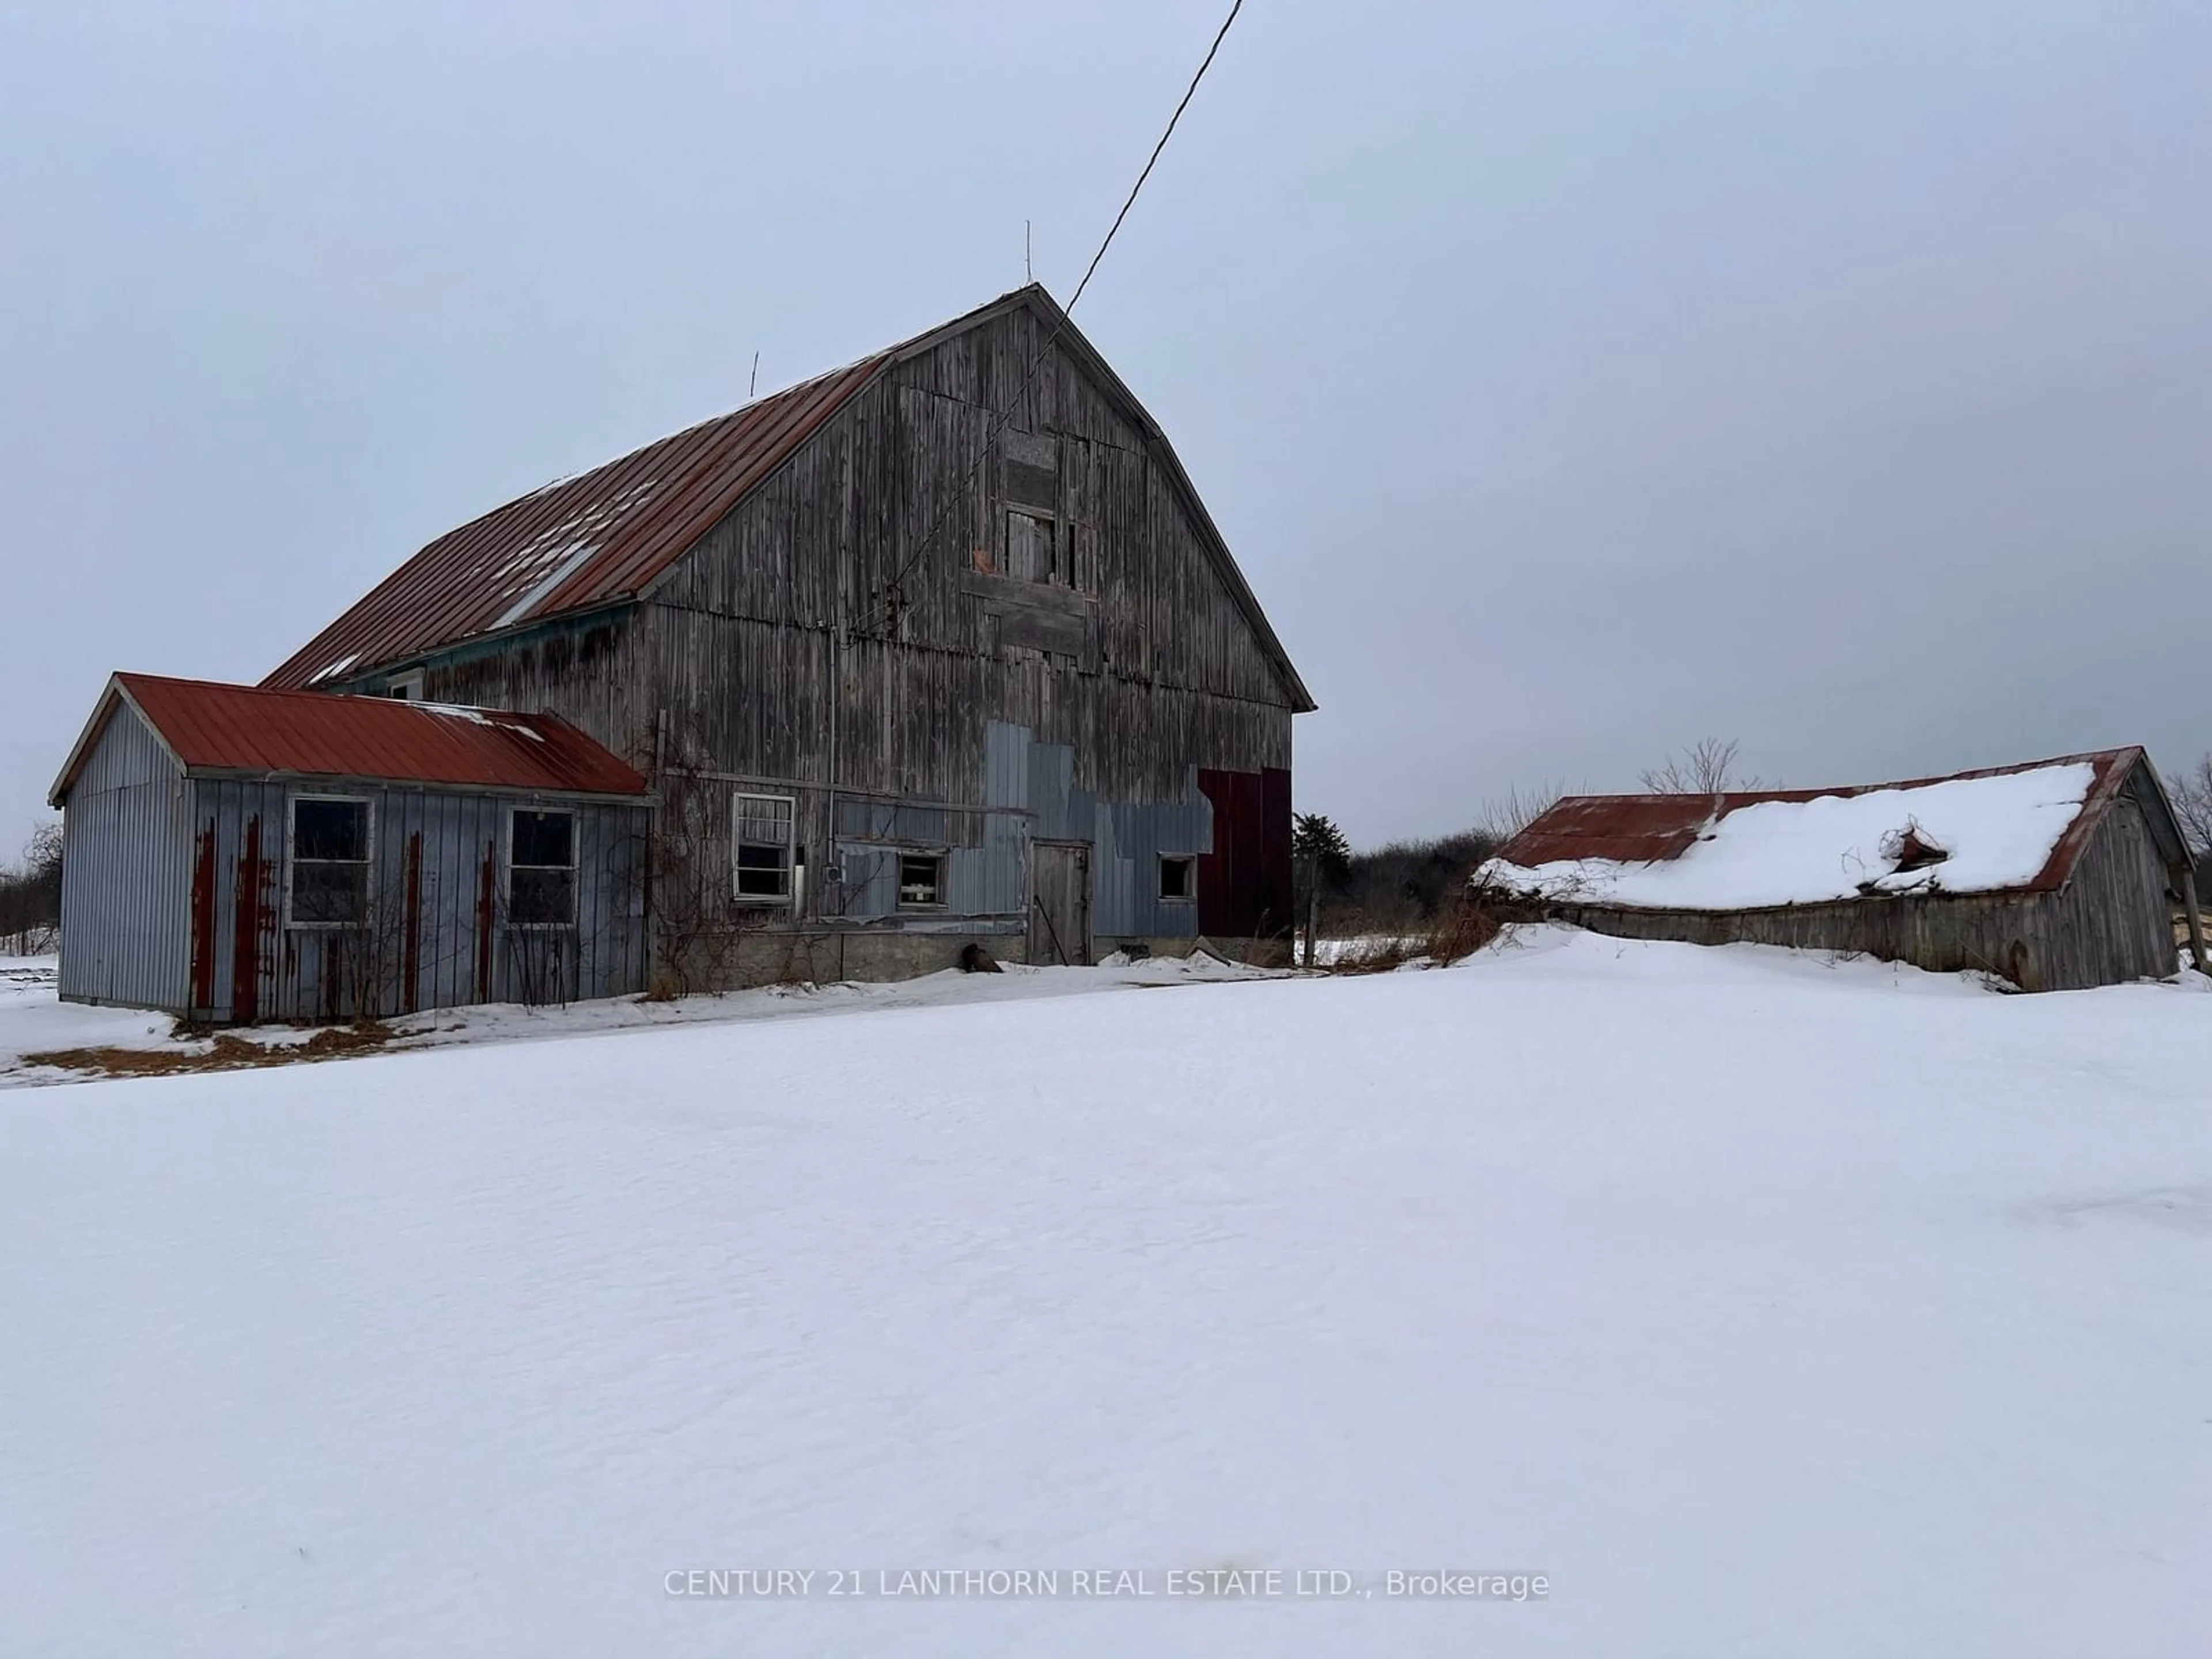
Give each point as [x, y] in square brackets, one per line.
[605, 538]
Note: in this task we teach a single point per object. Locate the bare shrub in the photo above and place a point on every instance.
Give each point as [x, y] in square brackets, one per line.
[688, 870]
[2192, 804]
[1708, 767]
[1461, 934]
[31, 894]
[1507, 815]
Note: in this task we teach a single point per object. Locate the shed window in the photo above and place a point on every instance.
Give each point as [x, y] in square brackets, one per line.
[921, 880]
[330, 862]
[1178, 878]
[408, 688]
[541, 869]
[762, 839]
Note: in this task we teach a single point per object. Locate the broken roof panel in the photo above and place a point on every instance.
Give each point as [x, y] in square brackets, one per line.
[576, 544]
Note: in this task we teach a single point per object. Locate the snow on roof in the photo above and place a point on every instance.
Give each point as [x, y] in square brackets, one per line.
[1972, 834]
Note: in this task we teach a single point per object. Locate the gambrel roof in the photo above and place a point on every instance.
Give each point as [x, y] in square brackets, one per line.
[604, 537]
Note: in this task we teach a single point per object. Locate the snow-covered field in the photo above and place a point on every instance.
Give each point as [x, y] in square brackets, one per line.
[33, 1022]
[1762, 1305]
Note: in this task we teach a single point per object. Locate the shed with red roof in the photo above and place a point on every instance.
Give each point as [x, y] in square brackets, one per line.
[2052, 875]
[238, 854]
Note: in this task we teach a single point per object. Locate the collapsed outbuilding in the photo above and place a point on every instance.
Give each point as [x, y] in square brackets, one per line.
[2053, 875]
[237, 854]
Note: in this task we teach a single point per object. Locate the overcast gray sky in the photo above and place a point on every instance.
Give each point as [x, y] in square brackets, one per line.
[1572, 380]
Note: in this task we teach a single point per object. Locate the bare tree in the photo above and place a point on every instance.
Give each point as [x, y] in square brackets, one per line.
[2192, 804]
[31, 893]
[1706, 767]
[1508, 815]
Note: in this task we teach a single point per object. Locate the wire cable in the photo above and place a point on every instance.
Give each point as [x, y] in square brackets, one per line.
[890, 590]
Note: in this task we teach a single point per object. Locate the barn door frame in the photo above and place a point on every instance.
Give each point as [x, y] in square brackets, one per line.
[1042, 923]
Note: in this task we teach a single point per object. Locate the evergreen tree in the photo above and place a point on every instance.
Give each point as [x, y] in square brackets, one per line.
[1319, 848]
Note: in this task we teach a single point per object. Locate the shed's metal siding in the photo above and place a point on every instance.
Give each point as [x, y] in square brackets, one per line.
[127, 881]
[438, 935]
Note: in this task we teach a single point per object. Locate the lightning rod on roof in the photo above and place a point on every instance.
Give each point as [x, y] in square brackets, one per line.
[755, 380]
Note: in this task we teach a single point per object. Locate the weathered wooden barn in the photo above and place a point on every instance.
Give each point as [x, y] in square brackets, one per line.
[939, 648]
[236, 853]
[2054, 875]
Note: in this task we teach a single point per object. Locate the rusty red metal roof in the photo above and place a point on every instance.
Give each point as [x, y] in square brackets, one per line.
[583, 542]
[1646, 828]
[213, 727]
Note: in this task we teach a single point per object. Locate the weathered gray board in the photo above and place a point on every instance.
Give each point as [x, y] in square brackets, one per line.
[1060, 916]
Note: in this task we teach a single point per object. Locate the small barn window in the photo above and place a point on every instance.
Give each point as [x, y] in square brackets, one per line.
[762, 839]
[1032, 547]
[541, 869]
[921, 880]
[1178, 878]
[329, 885]
[408, 688]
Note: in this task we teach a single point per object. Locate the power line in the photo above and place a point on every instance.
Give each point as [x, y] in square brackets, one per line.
[1188, 92]
[999, 421]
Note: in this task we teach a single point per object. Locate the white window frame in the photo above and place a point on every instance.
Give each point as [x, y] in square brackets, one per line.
[787, 898]
[936, 856]
[507, 866]
[406, 688]
[1190, 895]
[367, 805]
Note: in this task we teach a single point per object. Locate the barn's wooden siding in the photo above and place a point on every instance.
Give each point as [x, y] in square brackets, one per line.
[2111, 922]
[2114, 919]
[824, 602]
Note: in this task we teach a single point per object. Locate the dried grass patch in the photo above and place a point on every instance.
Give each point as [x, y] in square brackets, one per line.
[223, 1054]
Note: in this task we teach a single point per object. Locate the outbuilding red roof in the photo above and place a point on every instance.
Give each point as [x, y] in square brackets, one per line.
[214, 727]
[1647, 829]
